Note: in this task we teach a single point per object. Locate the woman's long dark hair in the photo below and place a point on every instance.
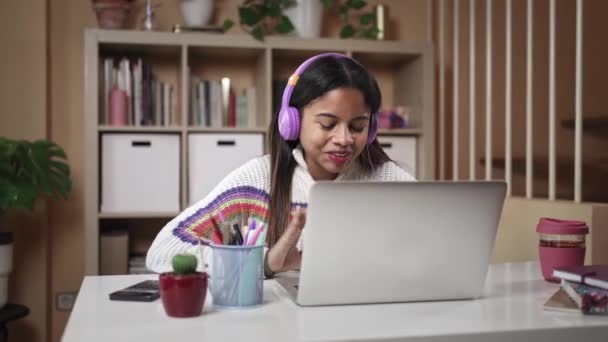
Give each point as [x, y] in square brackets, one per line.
[320, 77]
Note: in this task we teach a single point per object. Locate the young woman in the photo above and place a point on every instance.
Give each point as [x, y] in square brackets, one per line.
[325, 130]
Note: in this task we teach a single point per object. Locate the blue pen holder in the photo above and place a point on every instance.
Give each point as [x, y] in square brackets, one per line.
[237, 276]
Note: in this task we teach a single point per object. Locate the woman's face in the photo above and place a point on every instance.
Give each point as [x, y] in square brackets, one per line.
[334, 132]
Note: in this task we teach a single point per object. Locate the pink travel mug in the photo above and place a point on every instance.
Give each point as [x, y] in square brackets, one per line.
[118, 107]
[562, 244]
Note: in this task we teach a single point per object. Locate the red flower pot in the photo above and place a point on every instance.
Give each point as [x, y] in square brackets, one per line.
[183, 295]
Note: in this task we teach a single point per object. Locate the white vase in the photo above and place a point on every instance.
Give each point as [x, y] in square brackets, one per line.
[197, 12]
[306, 17]
[6, 265]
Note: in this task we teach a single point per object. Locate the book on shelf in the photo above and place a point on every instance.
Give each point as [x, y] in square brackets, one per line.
[589, 299]
[593, 275]
[215, 103]
[151, 102]
[278, 86]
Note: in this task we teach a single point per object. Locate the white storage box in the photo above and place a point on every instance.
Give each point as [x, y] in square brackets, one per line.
[140, 173]
[211, 157]
[402, 150]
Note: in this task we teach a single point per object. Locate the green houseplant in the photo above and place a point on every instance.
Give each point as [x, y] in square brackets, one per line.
[363, 27]
[28, 170]
[262, 17]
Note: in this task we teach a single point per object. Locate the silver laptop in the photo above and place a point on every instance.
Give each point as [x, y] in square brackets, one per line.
[396, 242]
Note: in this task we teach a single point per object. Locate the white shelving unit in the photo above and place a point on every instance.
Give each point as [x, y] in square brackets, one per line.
[404, 72]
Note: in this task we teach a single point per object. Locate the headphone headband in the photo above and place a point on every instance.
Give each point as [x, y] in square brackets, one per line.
[295, 77]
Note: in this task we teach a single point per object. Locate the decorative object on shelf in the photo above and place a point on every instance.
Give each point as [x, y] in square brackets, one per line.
[148, 22]
[177, 28]
[197, 12]
[394, 117]
[119, 109]
[381, 21]
[183, 291]
[27, 171]
[350, 9]
[112, 14]
[262, 17]
[306, 17]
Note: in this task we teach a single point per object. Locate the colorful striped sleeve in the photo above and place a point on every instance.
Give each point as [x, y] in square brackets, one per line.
[244, 189]
[228, 206]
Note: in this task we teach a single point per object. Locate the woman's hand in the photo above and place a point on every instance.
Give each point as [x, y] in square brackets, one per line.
[284, 255]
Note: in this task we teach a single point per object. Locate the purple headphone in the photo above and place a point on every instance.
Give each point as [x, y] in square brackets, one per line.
[289, 117]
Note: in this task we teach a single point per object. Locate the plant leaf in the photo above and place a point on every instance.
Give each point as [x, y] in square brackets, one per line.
[29, 169]
[287, 3]
[273, 10]
[343, 12]
[347, 31]
[227, 25]
[327, 3]
[366, 19]
[249, 16]
[285, 25]
[258, 33]
[371, 33]
[356, 4]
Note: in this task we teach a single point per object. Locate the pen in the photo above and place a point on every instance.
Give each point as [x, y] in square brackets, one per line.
[216, 233]
[261, 238]
[244, 219]
[254, 236]
[225, 227]
[236, 232]
[249, 230]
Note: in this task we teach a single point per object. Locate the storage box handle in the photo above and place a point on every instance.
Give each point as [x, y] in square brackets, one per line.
[141, 143]
[226, 143]
[386, 145]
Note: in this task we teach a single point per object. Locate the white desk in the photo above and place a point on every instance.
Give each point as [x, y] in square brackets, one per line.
[510, 310]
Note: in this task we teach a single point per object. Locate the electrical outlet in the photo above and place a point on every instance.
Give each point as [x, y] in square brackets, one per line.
[65, 301]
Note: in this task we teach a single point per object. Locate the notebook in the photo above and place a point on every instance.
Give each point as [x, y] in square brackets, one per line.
[593, 275]
[560, 301]
[590, 300]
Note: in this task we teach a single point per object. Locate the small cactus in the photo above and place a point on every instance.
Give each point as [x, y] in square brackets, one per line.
[184, 264]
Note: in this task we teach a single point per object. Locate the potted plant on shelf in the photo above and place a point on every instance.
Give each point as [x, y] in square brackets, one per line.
[196, 12]
[112, 14]
[28, 170]
[357, 22]
[263, 17]
[183, 291]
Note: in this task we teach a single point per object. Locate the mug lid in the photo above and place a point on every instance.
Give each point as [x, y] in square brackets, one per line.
[556, 226]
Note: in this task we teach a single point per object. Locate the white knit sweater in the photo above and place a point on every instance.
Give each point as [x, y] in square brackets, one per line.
[244, 189]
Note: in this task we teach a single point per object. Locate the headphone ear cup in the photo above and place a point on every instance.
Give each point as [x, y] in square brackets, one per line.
[373, 129]
[289, 123]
